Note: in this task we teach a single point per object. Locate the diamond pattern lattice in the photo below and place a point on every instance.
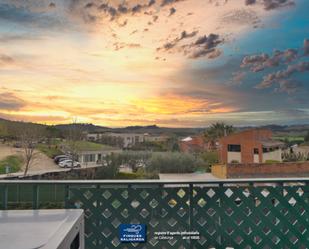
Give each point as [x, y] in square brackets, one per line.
[227, 215]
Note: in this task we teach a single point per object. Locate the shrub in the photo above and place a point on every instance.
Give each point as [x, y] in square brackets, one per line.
[14, 161]
[173, 162]
[272, 161]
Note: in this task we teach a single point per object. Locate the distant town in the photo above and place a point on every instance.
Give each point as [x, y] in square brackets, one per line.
[86, 151]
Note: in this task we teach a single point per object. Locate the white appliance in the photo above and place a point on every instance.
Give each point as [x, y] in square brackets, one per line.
[44, 229]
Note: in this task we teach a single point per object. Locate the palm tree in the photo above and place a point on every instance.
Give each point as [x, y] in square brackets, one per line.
[218, 130]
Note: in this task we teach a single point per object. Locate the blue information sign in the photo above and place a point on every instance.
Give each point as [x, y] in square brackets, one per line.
[132, 232]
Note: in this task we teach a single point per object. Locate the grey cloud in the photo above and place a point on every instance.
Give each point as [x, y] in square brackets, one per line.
[137, 8]
[108, 9]
[5, 59]
[167, 2]
[52, 5]
[282, 75]
[121, 45]
[184, 35]
[290, 54]
[122, 9]
[274, 4]
[249, 2]
[288, 86]
[306, 46]
[8, 101]
[237, 78]
[208, 42]
[201, 52]
[251, 59]
[271, 4]
[151, 2]
[259, 62]
[172, 11]
[155, 18]
[203, 46]
[89, 5]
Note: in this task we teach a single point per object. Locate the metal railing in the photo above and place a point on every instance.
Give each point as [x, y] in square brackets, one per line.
[244, 213]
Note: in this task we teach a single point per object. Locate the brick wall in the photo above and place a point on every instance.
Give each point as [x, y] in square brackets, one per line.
[248, 140]
[293, 169]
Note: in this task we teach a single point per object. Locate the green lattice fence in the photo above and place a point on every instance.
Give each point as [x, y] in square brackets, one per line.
[243, 214]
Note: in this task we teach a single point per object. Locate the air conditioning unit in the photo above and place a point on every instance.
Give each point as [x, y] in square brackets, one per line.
[44, 229]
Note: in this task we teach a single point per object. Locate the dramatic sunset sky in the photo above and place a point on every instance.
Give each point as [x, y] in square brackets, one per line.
[173, 63]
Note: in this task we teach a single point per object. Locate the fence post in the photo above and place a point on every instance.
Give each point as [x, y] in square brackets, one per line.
[35, 198]
[66, 196]
[5, 197]
[191, 211]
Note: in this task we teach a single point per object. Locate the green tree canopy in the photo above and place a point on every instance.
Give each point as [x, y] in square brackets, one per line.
[218, 130]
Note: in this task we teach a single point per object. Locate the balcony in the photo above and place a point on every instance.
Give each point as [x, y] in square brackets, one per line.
[253, 213]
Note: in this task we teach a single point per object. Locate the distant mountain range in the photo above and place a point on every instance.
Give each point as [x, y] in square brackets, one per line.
[154, 129]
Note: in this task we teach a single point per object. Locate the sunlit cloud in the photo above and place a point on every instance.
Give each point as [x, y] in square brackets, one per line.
[119, 63]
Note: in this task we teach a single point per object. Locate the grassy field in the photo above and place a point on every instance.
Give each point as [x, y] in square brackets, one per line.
[289, 138]
[54, 149]
[15, 162]
[49, 150]
[90, 146]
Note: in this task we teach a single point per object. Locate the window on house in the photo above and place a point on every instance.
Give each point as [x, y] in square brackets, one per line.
[256, 151]
[89, 158]
[265, 150]
[233, 147]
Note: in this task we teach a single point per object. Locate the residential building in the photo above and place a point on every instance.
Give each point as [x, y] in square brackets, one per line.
[128, 139]
[125, 140]
[88, 153]
[94, 157]
[161, 138]
[94, 136]
[250, 146]
[194, 144]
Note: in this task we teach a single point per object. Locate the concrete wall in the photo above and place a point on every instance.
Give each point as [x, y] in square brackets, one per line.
[234, 157]
[65, 174]
[274, 155]
[219, 170]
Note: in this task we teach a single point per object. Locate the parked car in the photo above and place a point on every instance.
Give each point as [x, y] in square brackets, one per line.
[59, 158]
[17, 145]
[68, 164]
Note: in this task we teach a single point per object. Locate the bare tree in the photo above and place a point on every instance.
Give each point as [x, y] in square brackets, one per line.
[74, 135]
[27, 135]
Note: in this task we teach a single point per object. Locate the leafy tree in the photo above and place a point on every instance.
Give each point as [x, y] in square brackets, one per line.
[210, 157]
[111, 167]
[218, 130]
[173, 162]
[112, 162]
[52, 132]
[73, 137]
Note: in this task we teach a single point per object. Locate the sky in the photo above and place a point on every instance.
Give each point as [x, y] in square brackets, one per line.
[173, 63]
